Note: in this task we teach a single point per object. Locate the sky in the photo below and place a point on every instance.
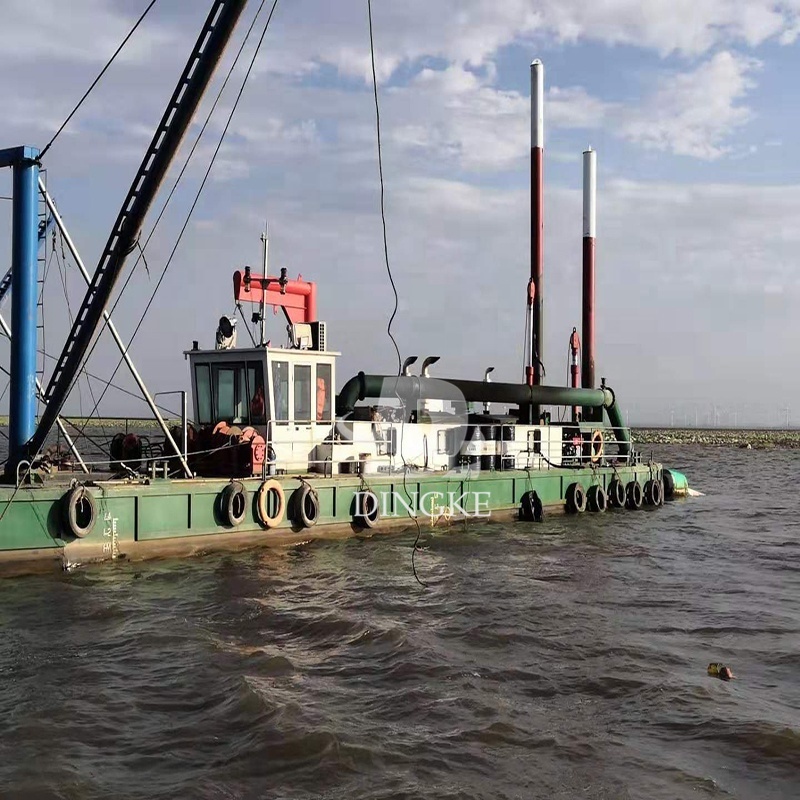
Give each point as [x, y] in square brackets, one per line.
[691, 107]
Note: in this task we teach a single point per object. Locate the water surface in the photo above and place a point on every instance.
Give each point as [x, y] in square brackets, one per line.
[558, 661]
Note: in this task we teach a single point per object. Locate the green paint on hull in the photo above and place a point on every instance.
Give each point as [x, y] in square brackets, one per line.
[134, 519]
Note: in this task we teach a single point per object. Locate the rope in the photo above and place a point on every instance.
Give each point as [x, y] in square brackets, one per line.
[383, 190]
[391, 281]
[96, 81]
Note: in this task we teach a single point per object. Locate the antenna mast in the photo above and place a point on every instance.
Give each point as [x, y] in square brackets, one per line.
[265, 242]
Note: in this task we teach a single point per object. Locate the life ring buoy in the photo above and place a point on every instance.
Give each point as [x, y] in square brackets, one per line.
[597, 499]
[531, 508]
[305, 506]
[233, 504]
[267, 489]
[634, 495]
[596, 446]
[653, 493]
[576, 498]
[616, 493]
[367, 509]
[79, 511]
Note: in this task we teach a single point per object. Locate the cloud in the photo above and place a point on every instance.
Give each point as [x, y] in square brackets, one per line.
[693, 113]
[471, 32]
[453, 114]
[682, 263]
[78, 31]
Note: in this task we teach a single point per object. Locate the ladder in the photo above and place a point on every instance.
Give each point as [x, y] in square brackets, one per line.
[216, 32]
[5, 281]
[41, 275]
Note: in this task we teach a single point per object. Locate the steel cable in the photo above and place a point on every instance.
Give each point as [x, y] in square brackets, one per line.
[97, 79]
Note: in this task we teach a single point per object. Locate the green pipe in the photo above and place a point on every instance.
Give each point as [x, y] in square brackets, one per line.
[411, 389]
[623, 435]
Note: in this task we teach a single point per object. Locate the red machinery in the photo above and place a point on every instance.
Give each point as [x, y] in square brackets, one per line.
[298, 299]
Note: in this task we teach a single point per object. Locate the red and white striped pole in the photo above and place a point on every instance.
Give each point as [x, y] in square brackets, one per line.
[536, 293]
[589, 234]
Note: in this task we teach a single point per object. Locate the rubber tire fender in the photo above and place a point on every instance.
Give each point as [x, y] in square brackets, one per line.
[69, 511]
[531, 508]
[305, 500]
[268, 487]
[634, 495]
[597, 499]
[616, 493]
[576, 498]
[653, 493]
[367, 502]
[233, 495]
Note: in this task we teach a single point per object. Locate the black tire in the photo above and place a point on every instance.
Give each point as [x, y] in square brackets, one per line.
[234, 504]
[367, 512]
[597, 499]
[576, 498]
[616, 493]
[634, 495]
[531, 508]
[79, 511]
[669, 485]
[658, 493]
[653, 493]
[305, 506]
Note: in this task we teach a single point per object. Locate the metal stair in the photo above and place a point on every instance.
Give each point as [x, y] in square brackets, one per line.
[41, 273]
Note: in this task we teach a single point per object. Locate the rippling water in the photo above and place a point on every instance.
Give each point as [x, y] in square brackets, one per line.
[558, 661]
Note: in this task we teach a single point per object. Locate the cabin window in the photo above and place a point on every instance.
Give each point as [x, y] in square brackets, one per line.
[255, 394]
[225, 384]
[323, 392]
[302, 393]
[280, 382]
[202, 375]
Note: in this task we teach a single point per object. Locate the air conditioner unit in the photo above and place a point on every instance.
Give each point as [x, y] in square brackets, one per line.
[319, 336]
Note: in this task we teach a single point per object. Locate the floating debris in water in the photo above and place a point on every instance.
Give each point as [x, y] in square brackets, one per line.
[720, 671]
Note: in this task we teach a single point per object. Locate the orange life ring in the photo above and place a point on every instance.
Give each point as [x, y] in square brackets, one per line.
[264, 491]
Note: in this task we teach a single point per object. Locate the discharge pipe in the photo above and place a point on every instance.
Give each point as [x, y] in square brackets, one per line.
[411, 389]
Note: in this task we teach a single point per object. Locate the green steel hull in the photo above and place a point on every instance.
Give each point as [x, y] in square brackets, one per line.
[184, 517]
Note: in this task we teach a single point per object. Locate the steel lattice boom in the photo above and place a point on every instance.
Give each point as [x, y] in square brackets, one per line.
[193, 82]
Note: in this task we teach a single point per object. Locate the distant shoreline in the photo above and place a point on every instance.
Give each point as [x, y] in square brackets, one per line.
[756, 438]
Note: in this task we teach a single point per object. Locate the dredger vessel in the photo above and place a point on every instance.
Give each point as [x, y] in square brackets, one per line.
[268, 451]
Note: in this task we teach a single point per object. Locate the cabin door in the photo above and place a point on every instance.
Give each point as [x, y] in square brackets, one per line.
[303, 415]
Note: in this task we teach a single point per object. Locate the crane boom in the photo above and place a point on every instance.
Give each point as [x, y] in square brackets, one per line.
[197, 74]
